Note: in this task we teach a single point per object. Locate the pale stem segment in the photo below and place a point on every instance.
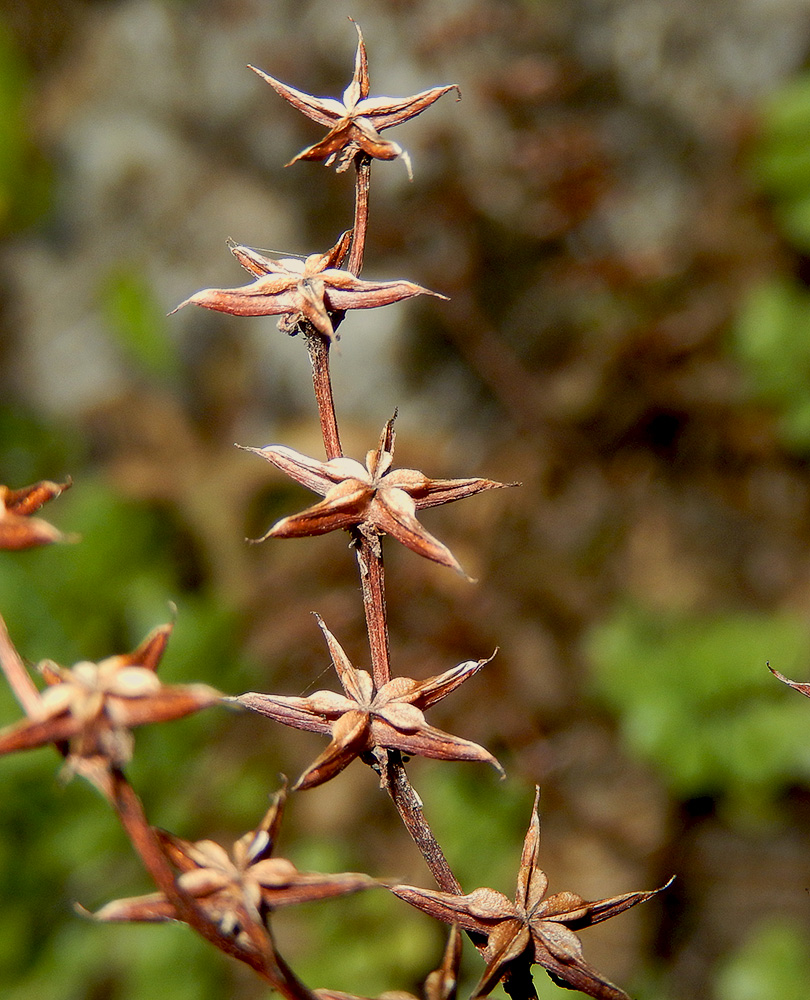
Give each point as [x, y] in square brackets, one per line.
[317, 345]
[409, 806]
[19, 680]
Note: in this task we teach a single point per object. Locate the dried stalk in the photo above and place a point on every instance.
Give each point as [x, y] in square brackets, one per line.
[409, 806]
[18, 678]
[362, 164]
[372, 580]
[318, 348]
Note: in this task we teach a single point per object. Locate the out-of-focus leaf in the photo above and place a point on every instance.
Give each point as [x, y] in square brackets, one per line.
[693, 697]
[771, 340]
[773, 962]
[781, 158]
[136, 320]
[24, 176]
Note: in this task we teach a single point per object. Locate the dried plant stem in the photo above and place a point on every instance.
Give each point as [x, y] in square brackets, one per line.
[263, 960]
[392, 774]
[362, 164]
[370, 563]
[18, 678]
[318, 348]
[372, 581]
[409, 806]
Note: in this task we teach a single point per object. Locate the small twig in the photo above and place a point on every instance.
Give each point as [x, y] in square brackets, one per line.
[18, 678]
[372, 581]
[409, 806]
[362, 164]
[518, 984]
[318, 348]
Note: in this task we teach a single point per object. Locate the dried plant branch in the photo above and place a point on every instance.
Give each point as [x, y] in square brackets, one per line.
[19, 680]
[318, 348]
[372, 582]
[409, 806]
[362, 164]
[147, 843]
[260, 955]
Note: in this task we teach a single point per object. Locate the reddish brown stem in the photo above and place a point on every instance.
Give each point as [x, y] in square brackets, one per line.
[362, 164]
[372, 580]
[317, 345]
[318, 348]
[370, 562]
[409, 805]
[18, 678]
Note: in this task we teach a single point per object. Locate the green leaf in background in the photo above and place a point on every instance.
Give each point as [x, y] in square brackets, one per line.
[138, 323]
[771, 336]
[771, 341]
[694, 697]
[780, 158]
[773, 963]
[24, 175]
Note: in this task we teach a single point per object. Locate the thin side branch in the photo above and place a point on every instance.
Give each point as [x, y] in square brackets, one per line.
[263, 960]
[18, 678]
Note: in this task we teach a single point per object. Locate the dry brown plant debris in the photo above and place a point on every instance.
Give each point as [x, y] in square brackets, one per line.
[87, 711]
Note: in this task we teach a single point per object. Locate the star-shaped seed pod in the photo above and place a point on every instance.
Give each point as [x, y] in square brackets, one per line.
[312, 289]
[375, 497]
[235, 888]
[362, 719]
[92, 707]
[355, 122]
[535, 929]
[18, 530]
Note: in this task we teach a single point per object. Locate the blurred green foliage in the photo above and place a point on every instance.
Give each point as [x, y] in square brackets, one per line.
[138, 323]
[25, 177]
[773, 962]
[771, 340]
[693, 696]
[780, 160]
[771, 336]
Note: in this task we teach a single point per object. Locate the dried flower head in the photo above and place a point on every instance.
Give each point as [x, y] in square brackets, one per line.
[535, 929]
[92, 707]
[374, 497]
[312, 289]
[233, 888]
[355, 122]
[361, 719]
[18, 530]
